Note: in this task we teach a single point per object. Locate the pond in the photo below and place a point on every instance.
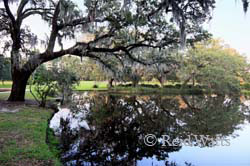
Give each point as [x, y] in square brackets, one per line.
[101, 129]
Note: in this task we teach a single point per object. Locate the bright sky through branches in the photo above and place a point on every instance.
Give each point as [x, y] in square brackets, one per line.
[229, 23]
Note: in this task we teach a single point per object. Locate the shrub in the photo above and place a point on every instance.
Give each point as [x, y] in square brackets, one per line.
[169, 86]
[44, 85]
[49, 82]
[149, 85]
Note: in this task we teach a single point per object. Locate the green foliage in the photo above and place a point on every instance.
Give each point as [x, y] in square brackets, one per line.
[133, 73]
[1, 63]
[5, 73]
[165, 66]
[65, 81]
[118, 29]
[44, 85]
[49, 82]
[215, 66]
[87, 69]
[245, 86]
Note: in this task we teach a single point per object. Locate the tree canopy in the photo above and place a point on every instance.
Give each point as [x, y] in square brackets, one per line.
[117, 28]
[216, 66]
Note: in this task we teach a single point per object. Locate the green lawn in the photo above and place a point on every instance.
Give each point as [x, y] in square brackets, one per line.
[23, 138]
[103, 85]
[83, 86]
[7, 84]
[89, 85]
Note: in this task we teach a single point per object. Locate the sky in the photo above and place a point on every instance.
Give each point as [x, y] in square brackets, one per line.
[231, 24]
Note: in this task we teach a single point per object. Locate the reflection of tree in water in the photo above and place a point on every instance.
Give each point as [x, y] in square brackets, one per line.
[119, 124]
[208, 115]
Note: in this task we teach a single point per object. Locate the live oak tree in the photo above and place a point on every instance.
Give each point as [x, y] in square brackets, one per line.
[157, 24]
[165, 67]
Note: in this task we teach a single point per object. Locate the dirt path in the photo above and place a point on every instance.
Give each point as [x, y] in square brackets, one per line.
[6, 106]
[5, 89]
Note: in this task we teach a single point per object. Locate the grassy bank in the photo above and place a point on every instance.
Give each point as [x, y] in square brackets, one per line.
[23, 138]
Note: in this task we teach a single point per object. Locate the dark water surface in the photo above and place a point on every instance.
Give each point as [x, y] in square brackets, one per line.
[99, 129]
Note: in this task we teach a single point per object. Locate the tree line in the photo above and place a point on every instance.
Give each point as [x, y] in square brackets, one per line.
[211, 64]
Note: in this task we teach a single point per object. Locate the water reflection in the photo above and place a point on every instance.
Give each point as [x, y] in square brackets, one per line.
[109, 130]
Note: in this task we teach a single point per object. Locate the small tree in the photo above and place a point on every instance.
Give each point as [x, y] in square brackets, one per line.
[49, 82]
[44, 85]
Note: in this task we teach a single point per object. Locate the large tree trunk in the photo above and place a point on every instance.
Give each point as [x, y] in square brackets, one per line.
[20, 80]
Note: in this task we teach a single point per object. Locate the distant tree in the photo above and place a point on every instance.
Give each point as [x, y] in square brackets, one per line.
[165, 67]
[133, 74]
[1, 66]
[92, 71]
[216, 66]
[5, 73]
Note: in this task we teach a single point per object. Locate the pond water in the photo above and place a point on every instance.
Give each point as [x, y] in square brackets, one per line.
[100, 129]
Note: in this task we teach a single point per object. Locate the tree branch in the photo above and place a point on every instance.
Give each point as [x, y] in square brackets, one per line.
[54, 31]
[73, 23]
[23, 3]
[44, 57]
[8, 11]
[39, 11]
